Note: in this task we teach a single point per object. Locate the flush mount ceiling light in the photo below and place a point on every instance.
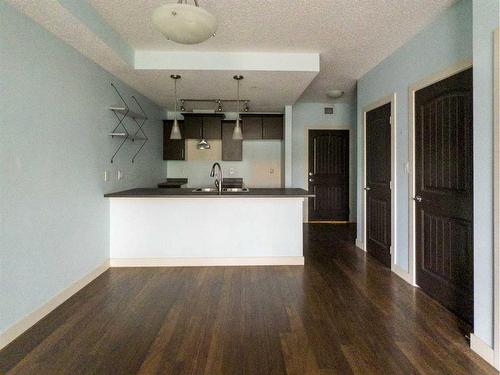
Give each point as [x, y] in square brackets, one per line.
[335, 94]
[184, 23]
[237, 134]
[176, 131]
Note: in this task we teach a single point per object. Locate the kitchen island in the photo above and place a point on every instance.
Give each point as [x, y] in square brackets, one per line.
[180, 227]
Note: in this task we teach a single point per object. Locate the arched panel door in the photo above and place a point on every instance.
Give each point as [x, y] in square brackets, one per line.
[443, 192]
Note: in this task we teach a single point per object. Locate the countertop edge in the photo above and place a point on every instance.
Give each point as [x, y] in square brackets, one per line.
[188, 193]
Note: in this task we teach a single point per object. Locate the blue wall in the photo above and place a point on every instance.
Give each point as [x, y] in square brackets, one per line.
[446, 41]
[54, 149]
[462, 32]
[486, 20]
[312, 116]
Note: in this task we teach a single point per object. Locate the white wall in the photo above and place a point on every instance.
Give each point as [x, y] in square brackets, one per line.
[54, 149]
[486, 18]
[311, 116]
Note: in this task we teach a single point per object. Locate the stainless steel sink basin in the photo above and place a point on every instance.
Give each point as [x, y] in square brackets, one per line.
[206, 190]
[225, 190]
[235, 190]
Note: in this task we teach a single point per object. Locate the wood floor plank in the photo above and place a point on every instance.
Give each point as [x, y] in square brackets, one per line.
[340, 313]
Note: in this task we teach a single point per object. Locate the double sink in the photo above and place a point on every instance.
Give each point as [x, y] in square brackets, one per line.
[224, 190]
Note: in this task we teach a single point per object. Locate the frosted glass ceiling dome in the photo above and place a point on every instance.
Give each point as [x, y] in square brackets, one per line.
[184, 23]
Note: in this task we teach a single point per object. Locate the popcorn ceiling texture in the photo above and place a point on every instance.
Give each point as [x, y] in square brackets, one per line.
[351, 36]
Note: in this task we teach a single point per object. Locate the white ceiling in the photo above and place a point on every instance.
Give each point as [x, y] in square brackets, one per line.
[352, 36]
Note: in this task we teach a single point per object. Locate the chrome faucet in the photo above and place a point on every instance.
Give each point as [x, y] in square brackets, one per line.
[219, 177]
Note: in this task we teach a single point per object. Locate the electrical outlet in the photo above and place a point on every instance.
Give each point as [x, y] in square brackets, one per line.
[271, 171]
[231, 171]
[120, 175]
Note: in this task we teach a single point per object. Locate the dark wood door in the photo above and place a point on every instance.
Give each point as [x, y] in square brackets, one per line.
[251, 127]
[378, 183]
[173, 149]
[272, 127]
[232, 150]
[192, 126]
[328, 175]
[443, 192]
[212, 127]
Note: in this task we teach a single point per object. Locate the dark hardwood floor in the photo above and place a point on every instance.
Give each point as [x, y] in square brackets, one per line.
[342, 313]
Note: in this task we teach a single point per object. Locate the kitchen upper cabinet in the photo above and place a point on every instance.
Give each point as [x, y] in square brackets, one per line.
[197, 126]
[173, 149]
[232, 150]
[251, 127]
[192, 126]
[212, 127]
[272, 127]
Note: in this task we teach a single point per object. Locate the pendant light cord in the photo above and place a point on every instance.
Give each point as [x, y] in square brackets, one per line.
[175, 93]
[238, 93]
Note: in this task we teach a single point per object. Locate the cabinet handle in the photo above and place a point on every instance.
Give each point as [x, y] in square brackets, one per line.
[182, 153]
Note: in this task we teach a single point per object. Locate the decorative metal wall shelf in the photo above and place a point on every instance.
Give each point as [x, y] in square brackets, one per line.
[121, 112]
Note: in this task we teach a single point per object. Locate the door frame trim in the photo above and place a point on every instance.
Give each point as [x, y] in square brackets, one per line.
[306, 164]
[431, 79]
[389, 99]
[496, 199]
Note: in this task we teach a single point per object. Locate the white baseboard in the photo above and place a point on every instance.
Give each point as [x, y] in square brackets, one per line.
[32, 318]
[360, 244]
[200, 262]
[402, 274]
[484, 350]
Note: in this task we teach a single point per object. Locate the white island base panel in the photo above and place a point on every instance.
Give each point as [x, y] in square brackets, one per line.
[205, 232]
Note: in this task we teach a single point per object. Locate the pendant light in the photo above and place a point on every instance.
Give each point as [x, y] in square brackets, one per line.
[184, 23]
[237, 134]
[203, 145]
[176, 131]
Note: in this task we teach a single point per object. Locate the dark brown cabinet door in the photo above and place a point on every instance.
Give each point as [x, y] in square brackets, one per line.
[173, 149]
[443, 192]
[232, 150]
[329, 175]
[192, 126]
[251, 127]
[378, 183]
[272, 127]
[212, 127]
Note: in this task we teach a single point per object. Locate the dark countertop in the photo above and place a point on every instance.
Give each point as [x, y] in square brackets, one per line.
[176, 193]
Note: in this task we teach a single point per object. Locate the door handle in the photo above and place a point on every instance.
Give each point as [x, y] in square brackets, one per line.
[417, 198]
[310, 180]
[367, 188]
[310, 173]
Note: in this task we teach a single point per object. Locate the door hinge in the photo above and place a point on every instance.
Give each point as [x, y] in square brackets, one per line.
[390, 250]
[390, 120]
[390, 185]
